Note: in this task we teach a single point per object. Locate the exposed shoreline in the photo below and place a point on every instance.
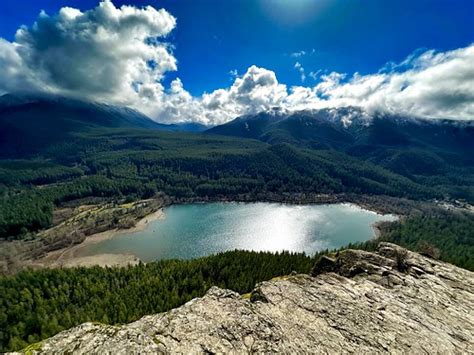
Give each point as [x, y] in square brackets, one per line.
[70, 256]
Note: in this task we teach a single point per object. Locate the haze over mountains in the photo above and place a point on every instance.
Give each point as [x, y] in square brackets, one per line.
[348, 126]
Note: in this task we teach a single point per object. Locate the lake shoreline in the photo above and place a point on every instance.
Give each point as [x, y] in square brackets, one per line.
[31, 254]
[70, 257]
[376, 228]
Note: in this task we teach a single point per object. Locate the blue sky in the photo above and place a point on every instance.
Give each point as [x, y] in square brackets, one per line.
[212, 60]
[213, 37]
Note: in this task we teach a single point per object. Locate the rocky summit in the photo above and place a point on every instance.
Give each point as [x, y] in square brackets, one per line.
[392, 300]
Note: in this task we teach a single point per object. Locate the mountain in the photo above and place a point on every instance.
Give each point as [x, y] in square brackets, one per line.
[403, 144]
[250, 126]
[192, 127]
[359, 302]
[347, 127]
[30, 122]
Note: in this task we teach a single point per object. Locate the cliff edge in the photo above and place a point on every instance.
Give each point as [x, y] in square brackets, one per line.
[392, 300]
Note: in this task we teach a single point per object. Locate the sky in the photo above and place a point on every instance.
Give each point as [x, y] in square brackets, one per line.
[212, 60]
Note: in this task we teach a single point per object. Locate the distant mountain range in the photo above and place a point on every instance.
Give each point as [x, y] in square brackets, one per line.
[346, 127]
[402, 144]
[29, 122]
[408, 146]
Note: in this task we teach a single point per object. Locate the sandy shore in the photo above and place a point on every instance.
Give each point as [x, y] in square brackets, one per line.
[71, 256]
[143, 223]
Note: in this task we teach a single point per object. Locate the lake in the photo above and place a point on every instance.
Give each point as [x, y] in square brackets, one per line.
[194, 230]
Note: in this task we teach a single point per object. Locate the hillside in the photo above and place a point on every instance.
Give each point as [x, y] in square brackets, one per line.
[343, 127]
[431, 144]
[390, 301]
[32, 122]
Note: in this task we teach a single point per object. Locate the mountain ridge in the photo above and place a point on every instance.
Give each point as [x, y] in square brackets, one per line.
[31, 122]
[401, 144]
[345, 120]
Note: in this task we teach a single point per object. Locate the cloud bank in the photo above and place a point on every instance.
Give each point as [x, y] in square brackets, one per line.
[121, 56]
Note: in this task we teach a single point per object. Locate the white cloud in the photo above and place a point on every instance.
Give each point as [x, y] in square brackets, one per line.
[314, 74]
[107, 52]
[257, 90]
[298, 54]
[302, 53]
[120, 56]
[13, 74]
[300, 68]
[434, 85]
[234, 73]
[431, 85]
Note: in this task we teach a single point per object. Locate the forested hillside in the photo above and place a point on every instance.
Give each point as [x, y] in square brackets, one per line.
[445, 235]
[38, 304]
[429, 152]
[133, 164]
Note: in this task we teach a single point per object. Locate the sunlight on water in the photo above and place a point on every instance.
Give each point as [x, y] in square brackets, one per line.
[201, 229]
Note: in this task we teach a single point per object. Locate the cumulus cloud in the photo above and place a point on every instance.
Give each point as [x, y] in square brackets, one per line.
[429, 85]
[112, 53]
[13, 74]
[257, 90]
[121, 56]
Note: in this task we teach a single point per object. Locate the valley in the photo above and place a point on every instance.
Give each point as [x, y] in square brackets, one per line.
[74, 228]
[70, 197]
[252, 176]
[106, 173]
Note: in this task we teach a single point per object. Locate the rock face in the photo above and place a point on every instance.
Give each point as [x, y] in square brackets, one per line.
[390, 301]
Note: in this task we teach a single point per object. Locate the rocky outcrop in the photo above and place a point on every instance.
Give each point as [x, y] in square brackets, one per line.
[389, 301]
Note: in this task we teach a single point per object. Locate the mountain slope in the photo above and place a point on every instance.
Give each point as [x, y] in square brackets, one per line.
[31, 122]
[350, 127]
[361, 302]
[407, 146]
[193, 127]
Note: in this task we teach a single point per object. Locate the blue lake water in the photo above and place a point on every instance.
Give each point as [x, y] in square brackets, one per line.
[194, 230]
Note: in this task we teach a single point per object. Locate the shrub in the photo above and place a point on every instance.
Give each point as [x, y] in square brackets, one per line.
[427, 249]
